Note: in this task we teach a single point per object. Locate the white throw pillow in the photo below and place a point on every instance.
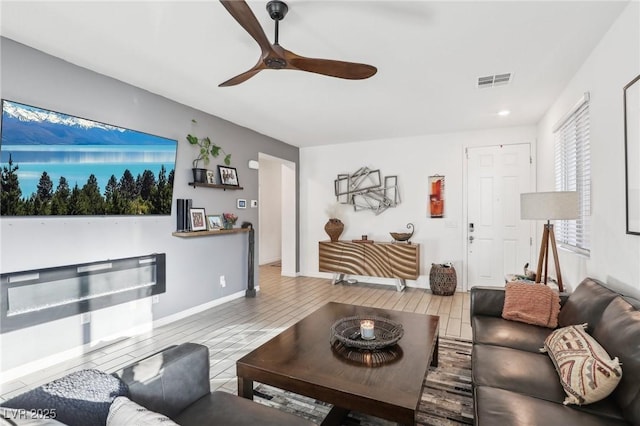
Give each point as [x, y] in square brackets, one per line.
[586, 371]
[20, 417]
[124, 412]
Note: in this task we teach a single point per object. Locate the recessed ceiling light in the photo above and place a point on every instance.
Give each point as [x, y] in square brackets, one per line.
[504, 113]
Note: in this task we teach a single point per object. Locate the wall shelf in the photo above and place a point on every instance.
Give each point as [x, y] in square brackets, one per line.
[210, 185]
[192, 234]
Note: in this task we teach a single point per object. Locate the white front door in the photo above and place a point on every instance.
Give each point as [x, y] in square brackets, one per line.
[498, 241]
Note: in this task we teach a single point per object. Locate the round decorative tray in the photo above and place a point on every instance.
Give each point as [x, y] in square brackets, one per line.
[347, 332]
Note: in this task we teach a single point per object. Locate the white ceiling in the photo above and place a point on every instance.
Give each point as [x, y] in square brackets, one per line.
[429, 55]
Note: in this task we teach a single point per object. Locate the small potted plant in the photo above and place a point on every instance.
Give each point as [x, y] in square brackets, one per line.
[230, 219]
[207, 149]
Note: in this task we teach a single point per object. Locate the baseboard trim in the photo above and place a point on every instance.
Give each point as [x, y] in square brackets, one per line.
[197, 309]
[268, 261]
[289, 273]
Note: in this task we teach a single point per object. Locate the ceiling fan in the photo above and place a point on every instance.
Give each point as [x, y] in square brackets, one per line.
[276, 57]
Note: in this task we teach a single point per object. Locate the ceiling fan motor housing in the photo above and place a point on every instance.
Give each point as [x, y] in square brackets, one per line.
[275, 63]
[277, 9]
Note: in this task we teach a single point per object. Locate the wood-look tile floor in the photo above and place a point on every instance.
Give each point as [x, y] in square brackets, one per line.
[233, 329]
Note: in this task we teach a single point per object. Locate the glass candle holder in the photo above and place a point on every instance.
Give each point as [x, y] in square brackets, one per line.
[367, 329]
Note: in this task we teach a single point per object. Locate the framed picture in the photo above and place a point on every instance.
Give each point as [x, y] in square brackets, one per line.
[241, 204]
[211, 177]
[228, 176]
[197, 218]
[436, 196]
[214, 222]
[632, 153]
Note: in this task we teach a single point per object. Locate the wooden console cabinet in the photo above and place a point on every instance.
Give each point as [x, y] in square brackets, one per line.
[387, 260]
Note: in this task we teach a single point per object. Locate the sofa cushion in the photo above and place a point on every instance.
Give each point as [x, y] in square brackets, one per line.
[511, 334]
[619, 334]
[524, 372]
[535, 304]
[123, 411]
[586, 304]
[586, 371]
[502, 407]
[81, 398]
[221, 408]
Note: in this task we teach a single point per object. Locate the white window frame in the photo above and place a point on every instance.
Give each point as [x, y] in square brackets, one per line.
[573, 173]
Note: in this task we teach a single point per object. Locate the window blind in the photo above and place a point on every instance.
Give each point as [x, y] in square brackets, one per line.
[573, 173]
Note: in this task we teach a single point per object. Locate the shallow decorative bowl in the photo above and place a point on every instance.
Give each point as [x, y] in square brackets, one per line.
[403, 236]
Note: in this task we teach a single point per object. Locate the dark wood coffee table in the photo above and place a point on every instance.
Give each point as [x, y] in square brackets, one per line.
[301, 360]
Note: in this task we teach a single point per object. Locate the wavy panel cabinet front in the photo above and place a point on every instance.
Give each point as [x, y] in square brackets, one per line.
[386, 260]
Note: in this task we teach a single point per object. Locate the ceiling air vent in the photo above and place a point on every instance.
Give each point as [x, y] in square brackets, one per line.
[494, 80]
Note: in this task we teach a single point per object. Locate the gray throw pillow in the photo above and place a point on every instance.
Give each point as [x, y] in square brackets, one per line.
[82, 398]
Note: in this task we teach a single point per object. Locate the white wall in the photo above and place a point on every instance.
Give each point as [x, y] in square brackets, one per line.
[413, 160]
[288, 221]
[270, 183]
[615, 256]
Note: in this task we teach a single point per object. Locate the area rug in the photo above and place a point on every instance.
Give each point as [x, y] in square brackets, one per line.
[446, 398]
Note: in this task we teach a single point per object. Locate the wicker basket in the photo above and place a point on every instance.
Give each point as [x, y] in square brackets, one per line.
[442, 279]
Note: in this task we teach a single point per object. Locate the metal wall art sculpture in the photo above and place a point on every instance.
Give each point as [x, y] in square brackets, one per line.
[365, 190]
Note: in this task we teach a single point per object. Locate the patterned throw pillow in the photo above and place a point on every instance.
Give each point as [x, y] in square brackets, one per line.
[123, 411]
[587, 372]
[535, 304]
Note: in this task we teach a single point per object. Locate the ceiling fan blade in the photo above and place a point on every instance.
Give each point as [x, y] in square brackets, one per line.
[273, 56]
[242, 13]
[340, 69]
[240, 78]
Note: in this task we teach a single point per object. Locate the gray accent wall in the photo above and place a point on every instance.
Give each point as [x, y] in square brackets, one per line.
[194, 265]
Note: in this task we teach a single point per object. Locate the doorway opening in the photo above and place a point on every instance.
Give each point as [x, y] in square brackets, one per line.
[277, 223]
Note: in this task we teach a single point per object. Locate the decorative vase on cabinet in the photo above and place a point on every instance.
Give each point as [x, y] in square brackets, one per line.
[334, 228]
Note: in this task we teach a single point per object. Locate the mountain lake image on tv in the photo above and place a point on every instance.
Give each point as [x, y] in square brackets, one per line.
[57, 164]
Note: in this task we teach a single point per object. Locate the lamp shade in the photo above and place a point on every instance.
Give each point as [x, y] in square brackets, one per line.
[549, 205]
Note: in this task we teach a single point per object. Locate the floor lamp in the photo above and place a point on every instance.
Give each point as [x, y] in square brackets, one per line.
[560, 205]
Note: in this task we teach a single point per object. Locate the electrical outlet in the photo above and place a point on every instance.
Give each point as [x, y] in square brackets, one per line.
[254, 204]
[155, 299]
[85, 318]
[223, 282]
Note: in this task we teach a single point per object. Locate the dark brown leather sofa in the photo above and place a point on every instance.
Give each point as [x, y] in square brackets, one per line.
[515, 384]
[174, 382]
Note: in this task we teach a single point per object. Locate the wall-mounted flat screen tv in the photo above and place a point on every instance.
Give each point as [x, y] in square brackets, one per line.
[57, 164]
